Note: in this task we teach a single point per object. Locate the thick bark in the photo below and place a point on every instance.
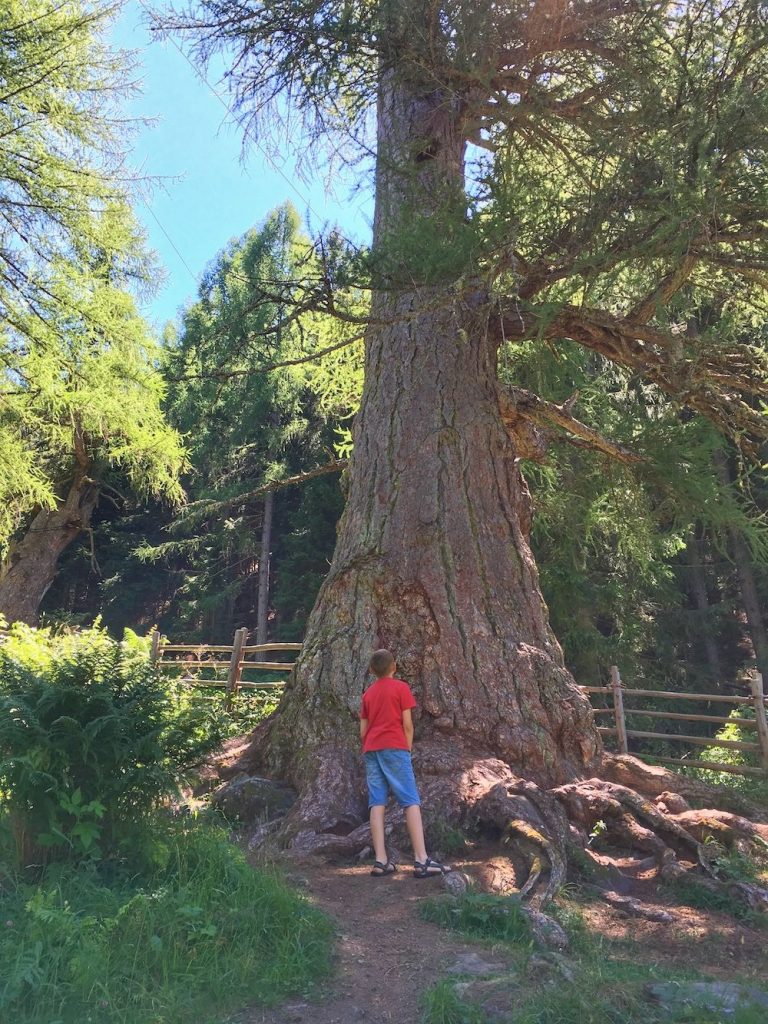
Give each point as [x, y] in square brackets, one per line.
[262, 608]
[432, 558]
[32, 562]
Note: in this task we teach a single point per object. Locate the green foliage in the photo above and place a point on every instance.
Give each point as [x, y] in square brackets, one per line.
[611, 541]
[751, 786]
[183, 932]
[92, 738]
[79, 392]
[61, 148]
[249, 709]
[480, 916]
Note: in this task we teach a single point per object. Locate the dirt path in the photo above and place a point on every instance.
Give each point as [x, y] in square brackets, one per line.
[387, 955]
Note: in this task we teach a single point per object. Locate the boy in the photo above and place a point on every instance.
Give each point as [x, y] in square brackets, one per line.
[386, 729]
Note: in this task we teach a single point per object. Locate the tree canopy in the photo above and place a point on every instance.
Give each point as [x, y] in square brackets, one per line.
[79, 391]
[613, 195]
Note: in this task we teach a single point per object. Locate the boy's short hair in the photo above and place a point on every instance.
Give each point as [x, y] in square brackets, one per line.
[381, 662]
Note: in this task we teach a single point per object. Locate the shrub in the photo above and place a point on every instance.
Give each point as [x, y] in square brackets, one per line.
[91, 739]
[752, 787]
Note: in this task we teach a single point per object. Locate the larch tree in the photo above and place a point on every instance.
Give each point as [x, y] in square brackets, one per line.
[243, 390]
[589, 170]
[79, 388]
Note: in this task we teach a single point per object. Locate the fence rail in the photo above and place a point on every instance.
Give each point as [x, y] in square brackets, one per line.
[224, 665]
[619, 693]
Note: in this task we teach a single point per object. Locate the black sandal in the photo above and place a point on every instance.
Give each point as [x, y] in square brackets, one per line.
[429, 868]
[379, 870]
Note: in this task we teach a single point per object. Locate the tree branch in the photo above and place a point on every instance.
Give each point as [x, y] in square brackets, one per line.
[712, 381]
[517, 404]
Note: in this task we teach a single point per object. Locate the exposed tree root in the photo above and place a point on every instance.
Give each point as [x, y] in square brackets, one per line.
[650, 780]
[637, 808]
[631, 907]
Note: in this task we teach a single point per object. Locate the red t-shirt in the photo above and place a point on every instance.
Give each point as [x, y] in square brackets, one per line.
[383, 705]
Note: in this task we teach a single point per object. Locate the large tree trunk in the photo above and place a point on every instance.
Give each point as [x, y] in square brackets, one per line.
[432, 559]
[31, 565]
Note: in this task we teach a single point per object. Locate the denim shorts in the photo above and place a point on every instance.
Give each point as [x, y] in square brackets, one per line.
[390, 770]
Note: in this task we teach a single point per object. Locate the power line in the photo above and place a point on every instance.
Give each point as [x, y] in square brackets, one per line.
[173, 245]
[291, 184]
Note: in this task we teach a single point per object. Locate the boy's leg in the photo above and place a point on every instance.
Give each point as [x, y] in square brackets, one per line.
[397, 767]
[416, 832]
[377, 800]
[377, 833]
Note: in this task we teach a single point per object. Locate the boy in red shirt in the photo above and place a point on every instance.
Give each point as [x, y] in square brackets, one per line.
[386, 729]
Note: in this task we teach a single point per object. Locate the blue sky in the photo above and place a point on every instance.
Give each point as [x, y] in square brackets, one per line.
[210, 191]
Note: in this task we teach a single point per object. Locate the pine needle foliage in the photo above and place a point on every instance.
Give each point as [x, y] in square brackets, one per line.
[79, 393]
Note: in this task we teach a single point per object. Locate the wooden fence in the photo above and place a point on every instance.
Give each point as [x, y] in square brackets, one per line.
[226, 665]
[617, 693]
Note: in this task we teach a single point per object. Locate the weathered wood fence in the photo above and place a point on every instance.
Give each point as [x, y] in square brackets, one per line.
[616, 693]
[226, 665]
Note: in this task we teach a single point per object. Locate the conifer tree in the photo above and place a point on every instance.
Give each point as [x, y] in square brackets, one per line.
[246, 426]
[580, 170]
[79, 392]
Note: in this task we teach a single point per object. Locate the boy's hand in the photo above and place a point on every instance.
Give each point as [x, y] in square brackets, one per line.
[408, 727]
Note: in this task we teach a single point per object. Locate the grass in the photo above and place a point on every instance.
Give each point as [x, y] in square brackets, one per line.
[598, 986]
[248, 708]
[480, 916]
[443, 1006]
[179, 932]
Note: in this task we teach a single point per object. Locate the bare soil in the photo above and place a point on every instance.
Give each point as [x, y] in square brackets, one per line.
[387, 956]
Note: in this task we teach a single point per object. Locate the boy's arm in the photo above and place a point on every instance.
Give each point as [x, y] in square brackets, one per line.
[408, 727]
[363, 727]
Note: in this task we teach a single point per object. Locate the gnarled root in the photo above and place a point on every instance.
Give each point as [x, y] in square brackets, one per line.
[652, 781]
[535, 825]
[631, 820]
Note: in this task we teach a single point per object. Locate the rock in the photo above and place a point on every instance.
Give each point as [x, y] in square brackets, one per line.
[456, 883]
[497, 997]
[297, 1012]
[497, 875]
[474, 965]
[551, 963]
[250, 798]
[546, 931]
[710, 996]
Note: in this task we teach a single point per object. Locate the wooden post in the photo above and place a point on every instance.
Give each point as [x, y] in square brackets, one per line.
[756, 684]
[618, 710]
[233, 675]
[154, 650]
